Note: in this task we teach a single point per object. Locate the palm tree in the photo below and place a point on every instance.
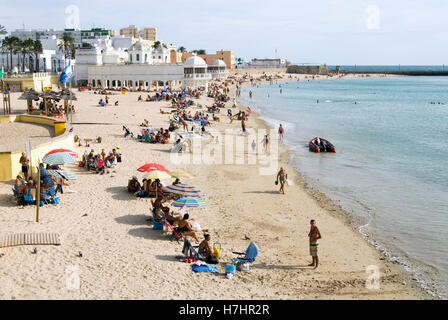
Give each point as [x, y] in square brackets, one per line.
[201, 51]
[26, 48]
[37, 49]
[156, 44]
[239, 61]
[9, 44]
[67, 45]
[2, 30]
[182, 49]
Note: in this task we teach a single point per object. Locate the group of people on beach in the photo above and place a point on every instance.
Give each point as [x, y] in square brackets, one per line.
[100, 162]
[26, 186]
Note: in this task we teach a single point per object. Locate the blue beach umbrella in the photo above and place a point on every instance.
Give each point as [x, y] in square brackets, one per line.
[59, 159]
[189, 202]
[182, 189]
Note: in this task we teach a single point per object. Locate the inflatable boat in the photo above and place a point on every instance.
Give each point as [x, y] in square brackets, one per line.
[321, 146]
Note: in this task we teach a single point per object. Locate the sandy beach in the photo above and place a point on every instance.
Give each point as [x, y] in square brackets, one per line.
[123, 258]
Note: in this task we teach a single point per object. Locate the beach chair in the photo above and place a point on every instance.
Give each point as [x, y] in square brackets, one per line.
[248, 256]
[190, 252]
[158, 225]
[175, 235]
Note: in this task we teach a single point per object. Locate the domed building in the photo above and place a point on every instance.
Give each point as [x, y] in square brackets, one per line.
[218, 69]
[196, 73]
[141, 53]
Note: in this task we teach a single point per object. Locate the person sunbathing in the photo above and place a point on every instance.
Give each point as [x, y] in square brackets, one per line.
[205, 249]
[145, 123]
[185, 227]
[20, 184]
[134, 185]
[164, 112]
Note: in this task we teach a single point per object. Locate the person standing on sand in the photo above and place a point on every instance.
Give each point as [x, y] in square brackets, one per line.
[280, 133]
[314, 236]
[24, 161]
[282, 176]
[265, 142]
[243, 125]
[250, 94]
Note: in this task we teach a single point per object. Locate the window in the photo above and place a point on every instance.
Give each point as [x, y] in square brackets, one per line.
[146, 57]
[138, 57]
[160, 57]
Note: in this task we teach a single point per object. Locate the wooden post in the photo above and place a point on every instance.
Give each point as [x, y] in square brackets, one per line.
[38, 192]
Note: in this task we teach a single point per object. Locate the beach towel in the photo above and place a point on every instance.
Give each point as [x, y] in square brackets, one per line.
[204, 268]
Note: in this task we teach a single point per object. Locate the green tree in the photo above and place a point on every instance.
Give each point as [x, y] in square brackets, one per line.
[10, 44]
[26, 48]
[37, 49]
[201, 51]
[67, 44]
[181, 49]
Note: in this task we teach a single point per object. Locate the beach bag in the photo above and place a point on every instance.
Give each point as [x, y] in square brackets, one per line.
[119, 158]
[245, 266]
[55, 200]
[212, 260]
[276, 182]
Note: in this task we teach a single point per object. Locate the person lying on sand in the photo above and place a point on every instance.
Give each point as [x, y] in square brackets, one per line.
[145, 123]
[164, 112]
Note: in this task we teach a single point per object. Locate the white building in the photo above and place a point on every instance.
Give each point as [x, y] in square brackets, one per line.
[266, 63]
[195, 73]
[218, 69]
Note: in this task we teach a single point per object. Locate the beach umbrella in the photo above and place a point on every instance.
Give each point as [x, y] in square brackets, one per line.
[189, 202]
[180, 175]
[156, 174]
[70, 152]
[151, 167]
[59, 159]
[62, 174]
[182, 189]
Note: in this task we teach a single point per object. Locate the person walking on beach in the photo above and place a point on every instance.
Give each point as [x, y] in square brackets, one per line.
[250, 94]
[280, 133]
[265, 142]
[314, 236]
[24, 161]
[282, 176]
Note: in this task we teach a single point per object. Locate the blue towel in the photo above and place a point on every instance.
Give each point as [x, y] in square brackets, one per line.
[205, 268]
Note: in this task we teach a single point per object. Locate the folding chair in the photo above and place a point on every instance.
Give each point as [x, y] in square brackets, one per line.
[248, 256]
[175, 235]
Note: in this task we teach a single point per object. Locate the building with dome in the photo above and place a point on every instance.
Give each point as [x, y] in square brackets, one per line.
[196, 73]
[143, 66]
[218, 69]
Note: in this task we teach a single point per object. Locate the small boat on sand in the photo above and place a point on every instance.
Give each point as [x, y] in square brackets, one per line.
[321, 145]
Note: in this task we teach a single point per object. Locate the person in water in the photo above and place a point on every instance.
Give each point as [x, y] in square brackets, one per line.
[282, 176]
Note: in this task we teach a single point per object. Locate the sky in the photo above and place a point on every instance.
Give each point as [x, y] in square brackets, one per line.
[336, 32]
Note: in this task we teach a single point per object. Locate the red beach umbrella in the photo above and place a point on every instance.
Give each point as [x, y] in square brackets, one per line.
[70, 152]
[151, 167]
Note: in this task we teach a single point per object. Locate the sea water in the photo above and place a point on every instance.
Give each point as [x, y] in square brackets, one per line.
[391, 165]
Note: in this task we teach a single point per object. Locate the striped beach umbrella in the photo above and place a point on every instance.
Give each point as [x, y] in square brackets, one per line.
[62, 174]
[151, 167]
[70, 152]
[180, 175]
[156, 174]
[59, 159]
[189, 202]
[183, 190]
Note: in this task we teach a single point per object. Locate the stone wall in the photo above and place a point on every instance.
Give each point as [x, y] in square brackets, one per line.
[322, 70]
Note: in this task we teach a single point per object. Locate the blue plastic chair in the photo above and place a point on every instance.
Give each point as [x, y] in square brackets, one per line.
[250, 254]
